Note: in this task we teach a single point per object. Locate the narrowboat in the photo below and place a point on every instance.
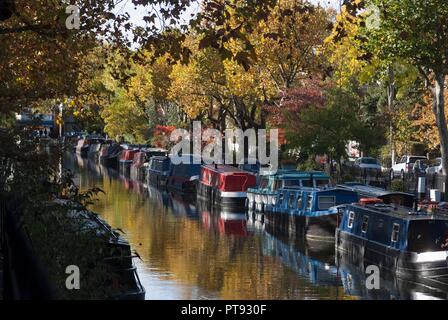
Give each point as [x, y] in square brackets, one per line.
[412, 244]
[82, 147]
[113, 156]
[224, 185]
[157, 171]
[388, 197]
[141, 161]
[183, 175]
[259, 197]
[94, 150]
[109, 154]
[126, 159]
[123, 282]
[310, 212]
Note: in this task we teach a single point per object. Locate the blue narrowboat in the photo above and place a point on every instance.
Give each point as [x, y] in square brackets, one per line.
[366, 191]
[157, 171]
[225, 185]
[308, 211]
[258, 198]
[412, 244]
[184, 174]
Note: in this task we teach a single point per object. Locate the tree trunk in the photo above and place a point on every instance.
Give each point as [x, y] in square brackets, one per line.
[439, 112]
[390, 104]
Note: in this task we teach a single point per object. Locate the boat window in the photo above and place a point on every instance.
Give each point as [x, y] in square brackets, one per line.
[292, 197]
[299, 202]
[365, 223]
[395, 232]
[291, 183]
[326, 202]
[428, 235]
[309, 203]
[351, 218]
[307, 183]
[322, 183]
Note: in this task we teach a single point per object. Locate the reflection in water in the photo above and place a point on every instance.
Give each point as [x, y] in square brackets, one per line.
[194, 251]
[391, 287]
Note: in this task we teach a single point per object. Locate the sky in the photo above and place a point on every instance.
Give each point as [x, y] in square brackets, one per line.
[138, 14]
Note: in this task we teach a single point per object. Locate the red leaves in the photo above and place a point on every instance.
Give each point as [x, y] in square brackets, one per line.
[295, 100]
[161, 136]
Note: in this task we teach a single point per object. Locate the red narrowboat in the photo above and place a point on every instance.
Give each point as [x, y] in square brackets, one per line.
[225, 185]
[126, 159]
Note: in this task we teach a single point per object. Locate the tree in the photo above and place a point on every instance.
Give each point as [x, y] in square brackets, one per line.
[416, 32]
[323, 121]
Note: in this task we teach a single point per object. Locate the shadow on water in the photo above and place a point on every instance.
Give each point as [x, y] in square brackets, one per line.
[191, 250]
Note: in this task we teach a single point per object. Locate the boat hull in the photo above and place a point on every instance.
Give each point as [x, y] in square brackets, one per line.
[403, 264]
[319, 228]
[227, 200]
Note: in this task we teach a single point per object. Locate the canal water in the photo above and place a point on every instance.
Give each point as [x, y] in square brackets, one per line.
[189, 251]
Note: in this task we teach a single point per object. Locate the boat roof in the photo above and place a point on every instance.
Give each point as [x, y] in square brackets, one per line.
[370, 190]
[224, 169]
[311, 189]
[294, 174]
[400, 212]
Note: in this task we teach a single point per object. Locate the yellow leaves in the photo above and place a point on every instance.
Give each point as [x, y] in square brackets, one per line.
[187, 89]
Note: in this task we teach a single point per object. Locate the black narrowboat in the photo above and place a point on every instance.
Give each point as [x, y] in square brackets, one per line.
[412, 244]
[157, 171]
[184, 175]
[109, 154]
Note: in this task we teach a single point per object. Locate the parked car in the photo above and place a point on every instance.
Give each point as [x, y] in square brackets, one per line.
[405, 165]
[367, 163]
[435, 166]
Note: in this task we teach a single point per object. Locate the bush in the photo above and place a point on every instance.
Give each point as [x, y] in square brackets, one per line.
[31, 174]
